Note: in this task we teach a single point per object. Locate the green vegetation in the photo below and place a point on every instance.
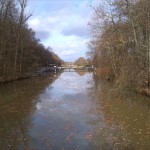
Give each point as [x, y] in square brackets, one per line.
[120, 45]
[20, 52]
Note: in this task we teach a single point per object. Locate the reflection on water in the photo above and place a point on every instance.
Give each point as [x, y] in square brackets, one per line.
[127, 119]
[81, 73]
[17, 104]
[71, 111]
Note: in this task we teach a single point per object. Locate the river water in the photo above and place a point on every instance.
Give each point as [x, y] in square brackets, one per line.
[71, 111]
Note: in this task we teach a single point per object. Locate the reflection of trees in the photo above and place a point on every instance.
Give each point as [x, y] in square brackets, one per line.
[17, 103]
[126, 119]
[97, 86]
[80, 73]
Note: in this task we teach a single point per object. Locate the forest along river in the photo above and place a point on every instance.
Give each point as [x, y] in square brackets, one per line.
[71, 111]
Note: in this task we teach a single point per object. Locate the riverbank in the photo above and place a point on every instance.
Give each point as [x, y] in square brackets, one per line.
[14, 79]
[145, 92]
[27, 76]
[103, 74]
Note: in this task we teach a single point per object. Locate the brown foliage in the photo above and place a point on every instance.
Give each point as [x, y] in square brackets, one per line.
[81, 61]
[121, 42]
[20, 52]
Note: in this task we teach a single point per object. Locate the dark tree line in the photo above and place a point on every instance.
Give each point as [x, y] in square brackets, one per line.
[20, 51]
[120, 45]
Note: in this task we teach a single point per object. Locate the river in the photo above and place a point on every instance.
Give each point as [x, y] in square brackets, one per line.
[71, 111]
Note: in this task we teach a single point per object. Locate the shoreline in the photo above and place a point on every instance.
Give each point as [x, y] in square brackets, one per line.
[27, 77]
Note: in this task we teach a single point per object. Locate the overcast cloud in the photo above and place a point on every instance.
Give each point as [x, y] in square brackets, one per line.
[62, 24]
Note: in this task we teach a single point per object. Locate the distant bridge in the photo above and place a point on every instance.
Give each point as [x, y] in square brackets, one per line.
[70, 67]
[73, 68]
[67, 68]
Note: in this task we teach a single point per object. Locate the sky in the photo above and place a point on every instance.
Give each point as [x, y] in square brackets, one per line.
[62, 25]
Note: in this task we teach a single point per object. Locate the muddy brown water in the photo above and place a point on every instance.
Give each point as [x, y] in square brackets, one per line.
[71, 111]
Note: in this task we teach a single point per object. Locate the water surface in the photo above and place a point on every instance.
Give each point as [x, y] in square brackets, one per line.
[71, 111]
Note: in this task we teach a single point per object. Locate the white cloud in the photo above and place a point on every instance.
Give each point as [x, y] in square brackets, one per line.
[65, 52]
[34, 22]
[62, 25]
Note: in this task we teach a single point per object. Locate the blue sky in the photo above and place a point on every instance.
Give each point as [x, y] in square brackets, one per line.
[62, 25]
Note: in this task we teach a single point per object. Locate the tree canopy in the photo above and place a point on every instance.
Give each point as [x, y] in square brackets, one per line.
[81, 61]
[120, 45]
[21, 52]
